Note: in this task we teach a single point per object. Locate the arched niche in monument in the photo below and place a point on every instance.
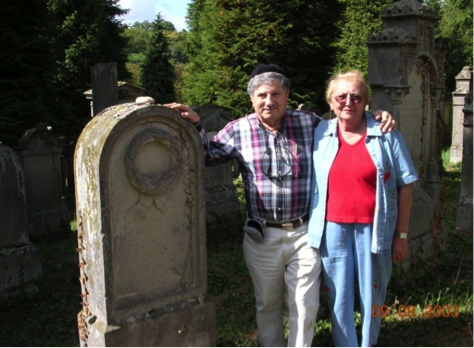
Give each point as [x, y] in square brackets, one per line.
[406, 78]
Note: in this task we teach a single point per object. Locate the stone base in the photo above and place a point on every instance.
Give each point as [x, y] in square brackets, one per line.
[19, 266]
[455, 154]
[188, 324]
[45, 223]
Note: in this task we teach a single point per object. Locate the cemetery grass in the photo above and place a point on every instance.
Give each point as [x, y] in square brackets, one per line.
[444, 280]
[44, 313]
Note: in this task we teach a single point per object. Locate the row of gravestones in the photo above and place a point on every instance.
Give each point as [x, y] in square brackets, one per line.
[31, 206]
[140, 202]
[37, 190]
[141, 210]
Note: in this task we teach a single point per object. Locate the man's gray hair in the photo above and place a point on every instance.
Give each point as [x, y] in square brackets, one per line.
[267, 79]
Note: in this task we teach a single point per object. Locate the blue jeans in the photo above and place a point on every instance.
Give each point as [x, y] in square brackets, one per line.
[346, 258]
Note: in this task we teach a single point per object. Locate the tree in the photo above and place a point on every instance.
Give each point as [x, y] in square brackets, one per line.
[26, 65]
[456, 30]
[360, 17]
[85, 33]
[157, 73]
[229, 38]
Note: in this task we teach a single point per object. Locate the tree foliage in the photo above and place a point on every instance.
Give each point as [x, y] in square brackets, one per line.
[229, 38]
[456, 29]
[85, 33]
[360, 17]
[26, 65]
[157, 73]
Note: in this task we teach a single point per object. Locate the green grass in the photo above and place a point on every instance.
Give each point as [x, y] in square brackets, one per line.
[44, 314]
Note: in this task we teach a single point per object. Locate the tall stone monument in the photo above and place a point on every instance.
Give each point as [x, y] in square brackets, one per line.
[141, 230]
[19, 259]
[104, 86]
[464, 221]
[406, 78]
[463, 89]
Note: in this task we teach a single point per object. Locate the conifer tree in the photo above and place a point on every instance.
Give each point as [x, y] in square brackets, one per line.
[157, 73]
[26, 65]
[229, 38]
[359, 18]
[84, 33]
[456, 28]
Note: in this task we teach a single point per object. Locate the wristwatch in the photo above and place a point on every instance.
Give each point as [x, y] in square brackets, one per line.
[401, 235]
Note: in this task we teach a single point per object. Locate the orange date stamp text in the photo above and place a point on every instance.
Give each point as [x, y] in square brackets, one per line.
[409, 311]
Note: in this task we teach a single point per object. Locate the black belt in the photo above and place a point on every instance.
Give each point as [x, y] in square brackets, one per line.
[288, 225]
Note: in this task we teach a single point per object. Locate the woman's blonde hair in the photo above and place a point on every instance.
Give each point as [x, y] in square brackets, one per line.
[353, 75]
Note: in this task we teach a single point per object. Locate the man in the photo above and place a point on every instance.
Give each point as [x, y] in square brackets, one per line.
[273, 146]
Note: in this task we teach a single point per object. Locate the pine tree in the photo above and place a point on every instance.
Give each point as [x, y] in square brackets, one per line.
[360, 17]
[26, 65]
[456, 28]
[157, 73]
[229, 38]
[85, 33]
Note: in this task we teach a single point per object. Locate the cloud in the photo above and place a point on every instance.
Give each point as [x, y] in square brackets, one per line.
[173, 11]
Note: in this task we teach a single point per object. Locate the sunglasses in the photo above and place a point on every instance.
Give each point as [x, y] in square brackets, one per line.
[356, 99]
[283, 156]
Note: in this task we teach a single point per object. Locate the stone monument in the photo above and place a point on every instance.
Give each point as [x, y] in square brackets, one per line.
[41, 154]
[140, 203]
[19, 259]
[406, 78]
[463, 88]
[104, 86]
[220, 191]
[464, 216]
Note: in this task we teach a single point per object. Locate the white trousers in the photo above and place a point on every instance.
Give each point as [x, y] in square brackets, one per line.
[283, 264]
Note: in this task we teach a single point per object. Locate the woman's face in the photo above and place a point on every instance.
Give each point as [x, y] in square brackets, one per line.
[347, 100]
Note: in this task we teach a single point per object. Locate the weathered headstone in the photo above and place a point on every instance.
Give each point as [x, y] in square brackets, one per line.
[140, 203]
[464, 216]
[41, 151]
[406, 78]
[463, 88]
[19, 259]
[104, 86]
[220, 191]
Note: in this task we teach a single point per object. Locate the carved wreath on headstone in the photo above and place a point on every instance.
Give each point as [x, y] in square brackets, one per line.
[149, 179]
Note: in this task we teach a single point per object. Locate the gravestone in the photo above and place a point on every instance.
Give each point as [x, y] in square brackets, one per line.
[406, 77]
[464, 215]
[463, 88]
[141, 230]
[41, 152]
[220, 191]
[19, 259]
[104, 86]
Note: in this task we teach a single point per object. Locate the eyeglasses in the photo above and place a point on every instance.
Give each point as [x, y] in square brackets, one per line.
[283, 159]
[356, 99]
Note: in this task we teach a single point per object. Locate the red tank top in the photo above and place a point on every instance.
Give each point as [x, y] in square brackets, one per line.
[351, 184]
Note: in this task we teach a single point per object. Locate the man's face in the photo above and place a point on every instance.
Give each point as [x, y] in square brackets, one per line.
[269, 103]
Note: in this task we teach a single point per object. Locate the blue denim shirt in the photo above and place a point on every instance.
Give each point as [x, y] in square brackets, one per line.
[394, 168]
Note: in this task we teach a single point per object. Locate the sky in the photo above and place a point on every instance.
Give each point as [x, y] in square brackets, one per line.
[173, 11]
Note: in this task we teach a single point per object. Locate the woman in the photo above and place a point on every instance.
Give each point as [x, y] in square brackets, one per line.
[360, 209]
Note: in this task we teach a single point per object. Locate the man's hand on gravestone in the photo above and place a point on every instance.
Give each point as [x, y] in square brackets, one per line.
[185, 112]
[387, 122]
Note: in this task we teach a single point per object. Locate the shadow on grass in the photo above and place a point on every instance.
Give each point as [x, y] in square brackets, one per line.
[45, 314]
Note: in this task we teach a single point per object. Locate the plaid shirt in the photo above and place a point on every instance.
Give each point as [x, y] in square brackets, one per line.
[268, 194]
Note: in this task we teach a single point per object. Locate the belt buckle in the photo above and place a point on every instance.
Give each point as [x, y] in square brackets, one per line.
[288, 226]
